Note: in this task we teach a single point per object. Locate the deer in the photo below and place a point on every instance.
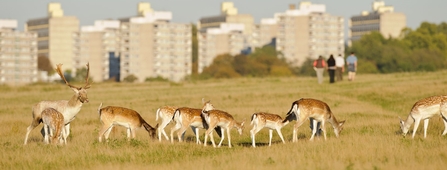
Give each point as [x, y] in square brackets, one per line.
[185, 117]
[68, 108]
[217, 118]
[53, 122]
[305, 108]
[424, 109]
[165, 113]
[114, 115]
[271, 121]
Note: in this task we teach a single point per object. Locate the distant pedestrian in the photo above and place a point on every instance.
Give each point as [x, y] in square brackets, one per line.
[331, 68]
[340, 67]
[352, 66]
[319, 67]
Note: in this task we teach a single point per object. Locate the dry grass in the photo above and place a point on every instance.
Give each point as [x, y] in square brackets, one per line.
[371, 138]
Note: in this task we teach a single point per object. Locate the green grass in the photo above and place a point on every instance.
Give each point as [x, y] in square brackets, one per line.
[371, 138]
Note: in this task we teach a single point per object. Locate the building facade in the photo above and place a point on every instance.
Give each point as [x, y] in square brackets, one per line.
[382, 19]
[57, 35]
[308, 32]
[152, 46]
[18, 55]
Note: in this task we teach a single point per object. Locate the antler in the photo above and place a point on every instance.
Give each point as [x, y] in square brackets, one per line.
[59, 71]
[87, 84]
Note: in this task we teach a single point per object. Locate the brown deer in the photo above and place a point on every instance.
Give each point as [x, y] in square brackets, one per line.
[185, 117]
[424, 109]
[268, 120]
[218, 118]
[165, 113]
[53, 125]
[68, 108]
[303, 109]
[130, 119]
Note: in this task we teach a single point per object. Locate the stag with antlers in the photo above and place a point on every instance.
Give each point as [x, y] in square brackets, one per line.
[68, 108]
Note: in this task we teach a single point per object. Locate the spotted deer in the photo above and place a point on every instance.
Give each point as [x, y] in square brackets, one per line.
[185, 117]
[53, 126]
[303, 109]
[424, 109]
[165, 113]
[271, 121]
[68, 108]
[218, 118]
[113, 115]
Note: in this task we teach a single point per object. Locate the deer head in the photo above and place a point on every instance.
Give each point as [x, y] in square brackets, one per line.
[81, 92]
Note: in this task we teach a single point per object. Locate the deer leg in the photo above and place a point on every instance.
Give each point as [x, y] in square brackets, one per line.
[253, 132]
[162, 129]
[222, 130]
[67, 129]
[445, 125]
[270, 136]
[209, 132]
[323, 128]
[280, 134]
[133, 132]
[196, 131]
[107, 133]
[415, 128]
[426, 127]
[229, 137]
[180, 133]
[173, 129]
[128, 131]
[314, 129]
[295, 129]
[46, 134]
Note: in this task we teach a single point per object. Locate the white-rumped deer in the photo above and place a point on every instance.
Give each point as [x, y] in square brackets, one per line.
[303, 109]
[53, 122]
[185, 117]
[68, 108]
[165, 113]
[424, 109]
[218, 118]
[128, 118]
[268, 120]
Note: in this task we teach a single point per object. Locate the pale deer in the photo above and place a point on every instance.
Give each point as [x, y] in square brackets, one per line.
[53, 122]
[218, 118]
[68, 108]
[424, 109]
[268, 120]
[165, 113]
[185, 117]
[128, 118]
[303, 109]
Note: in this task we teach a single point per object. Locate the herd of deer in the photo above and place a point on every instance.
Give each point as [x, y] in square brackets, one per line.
[57, 115]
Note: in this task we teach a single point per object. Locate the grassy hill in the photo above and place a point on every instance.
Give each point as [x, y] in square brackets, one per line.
[371, 138]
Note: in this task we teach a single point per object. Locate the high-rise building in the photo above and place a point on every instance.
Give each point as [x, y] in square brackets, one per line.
[308, 32]
[100, 45]
[227, 39]
[228, 14]
[382, 19]
[265, 33]
[152, 46]
[57, 36]
[18, 55]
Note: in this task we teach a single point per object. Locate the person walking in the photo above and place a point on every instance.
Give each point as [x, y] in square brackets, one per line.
[352, 66]
[340, 67]
[319, 67]
[331, 68]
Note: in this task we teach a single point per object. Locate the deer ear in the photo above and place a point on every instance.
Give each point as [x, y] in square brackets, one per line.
[156, 126]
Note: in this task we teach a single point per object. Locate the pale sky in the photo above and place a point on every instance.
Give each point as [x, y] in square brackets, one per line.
[190, 11]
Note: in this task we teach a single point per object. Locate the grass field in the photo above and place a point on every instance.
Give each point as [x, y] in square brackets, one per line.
[371, 138]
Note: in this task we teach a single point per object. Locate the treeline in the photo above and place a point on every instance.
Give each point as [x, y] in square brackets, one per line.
[423, 49]
[261, 63]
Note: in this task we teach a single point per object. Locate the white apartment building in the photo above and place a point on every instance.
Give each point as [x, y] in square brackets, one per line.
[308, 32]
[99, 45]
[18, 55]
[228, 38]
[152, 46]
[382, 18]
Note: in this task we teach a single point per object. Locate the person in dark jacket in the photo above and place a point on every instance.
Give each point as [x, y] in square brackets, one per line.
[331, 68]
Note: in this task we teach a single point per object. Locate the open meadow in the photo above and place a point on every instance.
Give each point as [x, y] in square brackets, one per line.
[371, 138]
